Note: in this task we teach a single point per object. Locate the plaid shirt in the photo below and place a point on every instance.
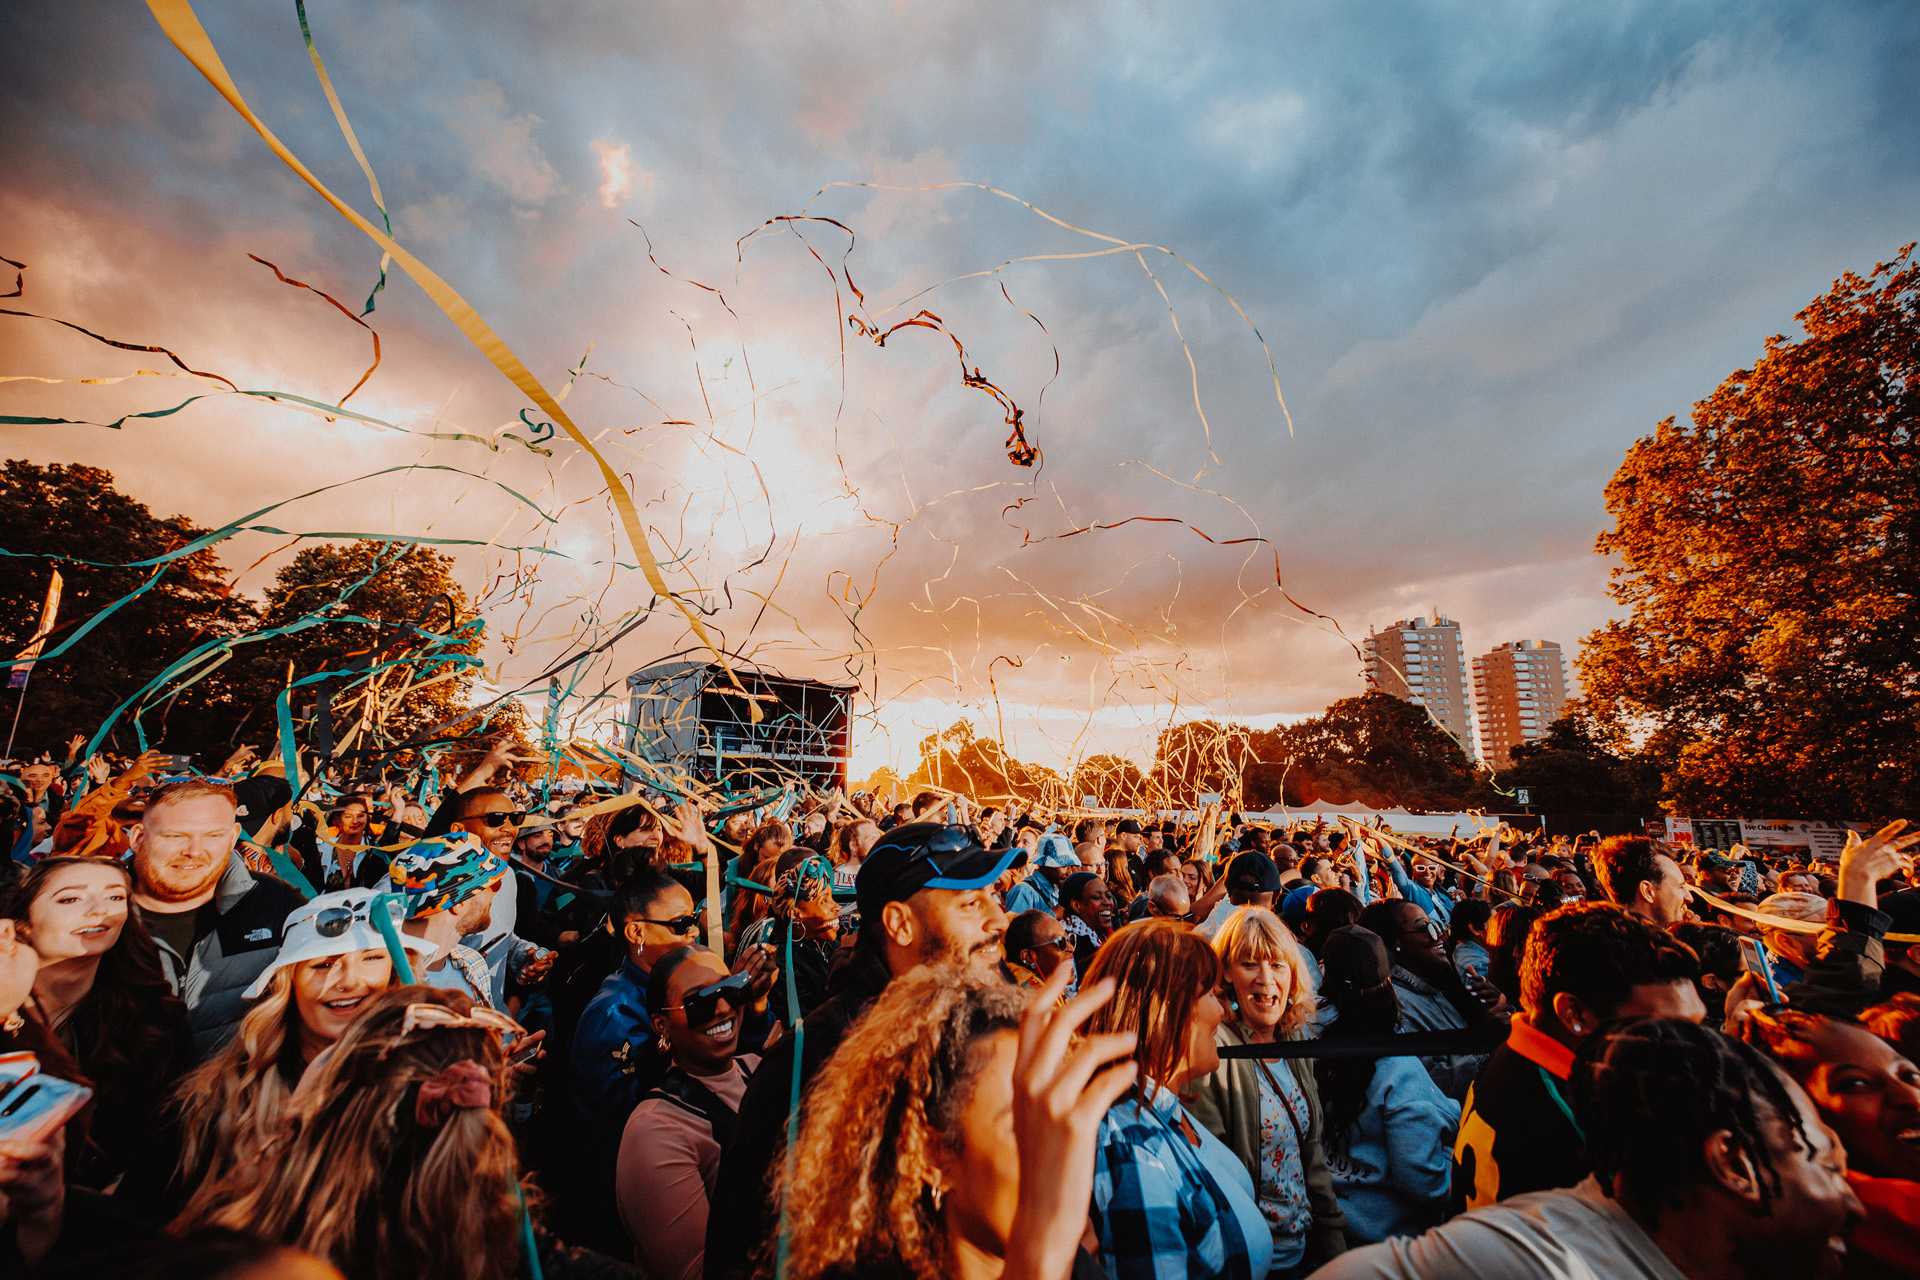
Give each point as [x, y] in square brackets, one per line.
[1158, 1212]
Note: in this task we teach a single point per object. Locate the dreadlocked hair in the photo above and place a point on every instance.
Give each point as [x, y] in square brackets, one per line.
[353, 1176]
[1649, 1092]
[878, 1121]
[229, 1106]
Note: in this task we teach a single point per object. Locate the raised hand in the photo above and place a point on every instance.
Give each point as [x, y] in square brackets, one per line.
[1061, 1089]
[1864, 863]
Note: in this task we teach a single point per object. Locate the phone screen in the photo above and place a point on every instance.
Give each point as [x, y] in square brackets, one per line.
[1754, 961]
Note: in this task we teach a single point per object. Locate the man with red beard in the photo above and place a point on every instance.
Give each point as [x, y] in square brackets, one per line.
[217, 923]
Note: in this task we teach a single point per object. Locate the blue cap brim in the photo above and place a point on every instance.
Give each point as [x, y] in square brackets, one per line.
[975, 882]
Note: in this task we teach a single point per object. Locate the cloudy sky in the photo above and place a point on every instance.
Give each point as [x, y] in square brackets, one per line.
[1487, 246]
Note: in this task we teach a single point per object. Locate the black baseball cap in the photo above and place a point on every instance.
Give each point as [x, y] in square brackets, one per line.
[926, 855]
[1253, 872]
[1128, 827]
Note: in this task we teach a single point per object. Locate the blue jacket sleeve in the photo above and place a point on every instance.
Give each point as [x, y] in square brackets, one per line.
[1420, 1126]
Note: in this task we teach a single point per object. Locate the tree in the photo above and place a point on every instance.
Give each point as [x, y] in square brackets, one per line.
[1376, 748]
[1200, 757]
[1114, 782]
[399, 585]
[959, 760]
[1570, 770]
[66, 516]
[1769, 553]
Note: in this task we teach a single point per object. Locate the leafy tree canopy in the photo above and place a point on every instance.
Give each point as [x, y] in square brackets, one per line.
[1769, 553]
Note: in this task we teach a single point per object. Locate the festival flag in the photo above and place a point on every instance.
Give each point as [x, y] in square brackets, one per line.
[23, 665]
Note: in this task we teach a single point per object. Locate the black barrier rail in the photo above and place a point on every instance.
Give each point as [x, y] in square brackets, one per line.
[1419, 1044]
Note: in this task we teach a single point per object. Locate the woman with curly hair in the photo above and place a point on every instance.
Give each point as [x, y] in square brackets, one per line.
[1269, 1112]
[393, 1161]
[332, 962]
[101, 994]
[952, 1134]
[1169, 1197]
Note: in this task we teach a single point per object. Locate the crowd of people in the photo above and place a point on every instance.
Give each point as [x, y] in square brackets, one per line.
[471, 1030]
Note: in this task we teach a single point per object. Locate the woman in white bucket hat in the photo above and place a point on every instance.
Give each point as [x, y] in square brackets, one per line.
[332, 961]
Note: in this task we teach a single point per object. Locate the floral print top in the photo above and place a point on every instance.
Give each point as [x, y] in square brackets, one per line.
[1282, 1189]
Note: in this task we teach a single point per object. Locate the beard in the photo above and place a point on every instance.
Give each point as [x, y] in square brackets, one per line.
[175, 878]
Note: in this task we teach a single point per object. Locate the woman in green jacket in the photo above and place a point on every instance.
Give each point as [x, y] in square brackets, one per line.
[1267, 1110]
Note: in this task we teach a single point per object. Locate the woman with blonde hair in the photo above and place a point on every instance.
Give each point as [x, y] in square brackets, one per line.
[1269, 1112]
[392, 1160]
[332, 962]
[952, 1135]
[1169, 1198]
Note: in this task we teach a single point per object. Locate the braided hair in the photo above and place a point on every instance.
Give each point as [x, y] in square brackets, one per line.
[1649, 1092]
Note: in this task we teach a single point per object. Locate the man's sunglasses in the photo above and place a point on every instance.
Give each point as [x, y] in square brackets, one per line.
[939, 847]
[681, 925]
[514, 816]
[702, 1004]
[331, 922]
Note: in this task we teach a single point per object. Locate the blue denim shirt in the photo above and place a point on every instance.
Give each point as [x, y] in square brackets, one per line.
[1035, 893]
[614, 1058]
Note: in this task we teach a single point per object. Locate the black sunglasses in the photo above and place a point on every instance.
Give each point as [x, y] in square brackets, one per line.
[515, 816]
[1061, 943]
[679, 924]
[702, 1004]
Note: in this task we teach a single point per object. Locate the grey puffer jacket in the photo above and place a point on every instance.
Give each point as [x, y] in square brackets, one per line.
[239, 932]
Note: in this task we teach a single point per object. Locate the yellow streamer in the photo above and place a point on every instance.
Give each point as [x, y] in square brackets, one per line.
[182, 26]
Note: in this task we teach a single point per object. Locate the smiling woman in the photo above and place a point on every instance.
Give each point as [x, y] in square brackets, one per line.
[670, 1149]
[331, 962]
[100, 992]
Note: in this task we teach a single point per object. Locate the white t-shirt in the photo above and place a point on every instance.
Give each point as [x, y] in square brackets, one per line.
[1575, 1234]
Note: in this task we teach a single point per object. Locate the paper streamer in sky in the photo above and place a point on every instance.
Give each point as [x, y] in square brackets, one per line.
[182, 26]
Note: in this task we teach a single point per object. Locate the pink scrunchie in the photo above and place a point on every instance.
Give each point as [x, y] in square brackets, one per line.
[461, 1084]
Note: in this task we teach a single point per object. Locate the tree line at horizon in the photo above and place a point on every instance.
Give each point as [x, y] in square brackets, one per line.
[1767, 551]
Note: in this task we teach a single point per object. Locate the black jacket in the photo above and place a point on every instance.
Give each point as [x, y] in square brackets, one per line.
[742, 1216]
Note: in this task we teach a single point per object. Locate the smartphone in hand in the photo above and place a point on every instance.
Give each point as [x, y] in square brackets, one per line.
[1754, 961]
[35, 1108]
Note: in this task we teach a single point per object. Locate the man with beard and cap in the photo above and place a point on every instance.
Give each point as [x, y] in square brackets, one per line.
[926, 897]
[217, 923]
[1052, 864]
[450, 885]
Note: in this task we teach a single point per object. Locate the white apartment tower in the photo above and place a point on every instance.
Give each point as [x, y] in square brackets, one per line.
[1423, 661]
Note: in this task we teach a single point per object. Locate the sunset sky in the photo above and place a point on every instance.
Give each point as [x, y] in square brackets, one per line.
[1487, 245]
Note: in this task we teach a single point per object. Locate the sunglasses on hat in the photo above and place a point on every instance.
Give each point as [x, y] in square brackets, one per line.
[700, 1005]
[948, 840]
[331, 922]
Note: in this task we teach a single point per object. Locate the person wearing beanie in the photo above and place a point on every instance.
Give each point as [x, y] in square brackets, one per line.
[1389, 1130]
